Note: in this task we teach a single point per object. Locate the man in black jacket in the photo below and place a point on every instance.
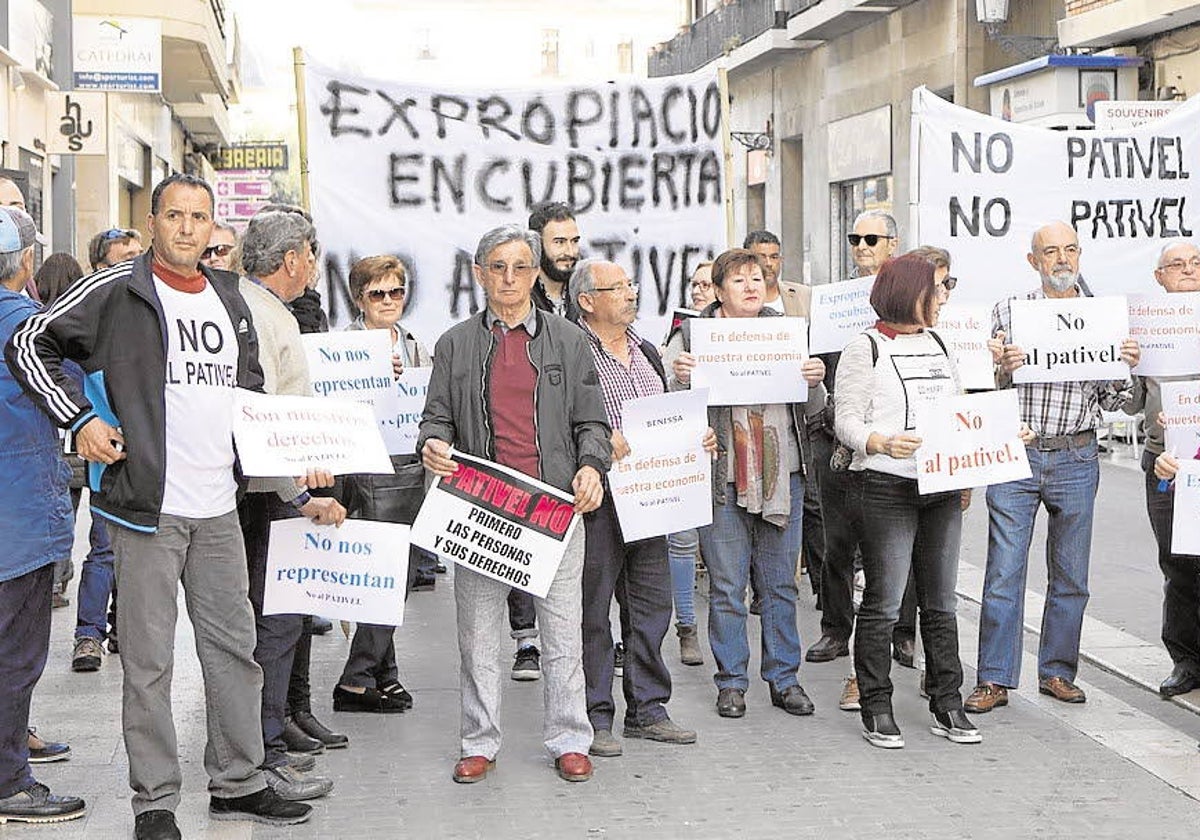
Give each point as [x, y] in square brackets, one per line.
[163, 344]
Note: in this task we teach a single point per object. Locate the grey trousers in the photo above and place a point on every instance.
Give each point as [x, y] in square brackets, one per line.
[208, 556]
[481, 604]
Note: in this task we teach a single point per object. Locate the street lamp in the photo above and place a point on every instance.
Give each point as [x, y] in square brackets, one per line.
[992, 14]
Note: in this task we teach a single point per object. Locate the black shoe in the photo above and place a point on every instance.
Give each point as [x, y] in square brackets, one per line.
[36, 804]
[881, 731]
[113, 645]
[266, 806]
[424, 582]
[731, 702]
[369, 700]
[321, 626]
[756, 605]
[156, 825]
[827, 650]
[792, 700]
[439, 567]
[313, 728]
[955, 726]
[527, 664]
[903, 651]
[399, 694]
[42, 751]
[1184, 678]
[618, 660]
[299, 741]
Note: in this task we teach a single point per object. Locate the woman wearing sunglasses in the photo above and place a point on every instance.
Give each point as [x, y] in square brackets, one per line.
[370, 680]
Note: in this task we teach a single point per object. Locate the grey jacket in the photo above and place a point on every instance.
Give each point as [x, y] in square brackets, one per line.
[571, 430]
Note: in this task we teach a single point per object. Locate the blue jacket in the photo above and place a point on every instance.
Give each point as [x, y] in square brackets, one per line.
[35, 505]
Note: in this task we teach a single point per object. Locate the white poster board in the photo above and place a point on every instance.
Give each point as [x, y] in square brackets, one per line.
[1070, 339]
[750, 360]
[1185, 522]
[287, 436]
[404, 426]
[498, 522]
[1167, 328]
[356, 572]
[1181, 414]
[966, 328]
[664, 484]
[357, 365]
[970, 440]
[839, 312]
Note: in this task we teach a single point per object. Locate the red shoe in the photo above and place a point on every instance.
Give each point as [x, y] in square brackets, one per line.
[472, 769]
[573, 767]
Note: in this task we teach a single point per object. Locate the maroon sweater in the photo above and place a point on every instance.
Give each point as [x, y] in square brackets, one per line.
[511, 384]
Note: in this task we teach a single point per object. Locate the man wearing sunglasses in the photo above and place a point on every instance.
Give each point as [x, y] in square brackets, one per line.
[875, 239]
[112, 246]
[221, 243]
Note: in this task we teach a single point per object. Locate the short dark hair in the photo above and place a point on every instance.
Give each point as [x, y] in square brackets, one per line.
[549, 211]
[730, 261]
[760, 237]
[180, 178]
[105, 239]
[902, 290]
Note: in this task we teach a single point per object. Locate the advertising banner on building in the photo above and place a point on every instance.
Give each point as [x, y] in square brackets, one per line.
[117, 53]
[423, 172]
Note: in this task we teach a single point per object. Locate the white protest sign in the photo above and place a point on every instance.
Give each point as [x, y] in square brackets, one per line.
[1185, 521]
[1167, 328]
[354, 573]
[1181, 413]
[1070, 339]
[840, 311]
[286, 436]
[985, 185]
[969, 441]
[404, 425]
[498, 522]
[357, 365]
[423, 171]
[750, 360]
[966, 328]
[663, 485]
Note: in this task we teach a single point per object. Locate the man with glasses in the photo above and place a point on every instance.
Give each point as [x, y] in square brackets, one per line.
[874, 240]
[1178, 271]
[1066, 474]
[112, 246]
[637, 573]
[221, 244]
[518, 386]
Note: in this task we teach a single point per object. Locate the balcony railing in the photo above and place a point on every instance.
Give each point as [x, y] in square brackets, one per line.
[719, 32]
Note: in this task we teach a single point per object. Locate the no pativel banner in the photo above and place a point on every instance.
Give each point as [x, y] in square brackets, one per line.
[423, 172]
[982, 186]
[498, 522]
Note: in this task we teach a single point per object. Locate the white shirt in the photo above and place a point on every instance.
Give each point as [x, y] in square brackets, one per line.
[202, 358]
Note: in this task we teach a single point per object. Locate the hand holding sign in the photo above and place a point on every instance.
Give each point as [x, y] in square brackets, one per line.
[435, 455]
[969, 441]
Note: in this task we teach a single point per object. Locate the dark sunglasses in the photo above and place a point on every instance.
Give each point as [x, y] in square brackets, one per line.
[872, 239]
[216, 250]
[378, 295]
[948, 282]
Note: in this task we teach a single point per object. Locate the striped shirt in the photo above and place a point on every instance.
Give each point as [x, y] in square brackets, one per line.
[618, 382]
[1053, 409]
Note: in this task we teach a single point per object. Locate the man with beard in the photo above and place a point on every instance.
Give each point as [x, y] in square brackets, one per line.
[560, 251]
[1066, 474]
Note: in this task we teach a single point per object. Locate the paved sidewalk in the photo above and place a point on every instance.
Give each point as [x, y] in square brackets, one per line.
[1035, 774]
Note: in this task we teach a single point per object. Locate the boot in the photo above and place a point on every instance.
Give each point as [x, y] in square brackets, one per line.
[689, 645]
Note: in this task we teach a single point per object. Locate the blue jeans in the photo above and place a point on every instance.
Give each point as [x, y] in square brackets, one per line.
[907, 535]
[1065, 481]
[681, 554]
[736, 546]
[95, 584]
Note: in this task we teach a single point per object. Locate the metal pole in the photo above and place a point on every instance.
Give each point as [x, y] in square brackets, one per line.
[727, 146]
[302, 121]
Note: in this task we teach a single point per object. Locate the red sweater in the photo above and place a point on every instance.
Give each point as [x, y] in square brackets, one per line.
[511, 384]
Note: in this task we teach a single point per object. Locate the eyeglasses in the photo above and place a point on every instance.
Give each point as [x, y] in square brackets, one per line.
[1180, 265]
[631, 286]
[872, 239]
[377, 295]
[948, 282]
[216, 251]
[518, 270]
[700, 286]
[119, 233]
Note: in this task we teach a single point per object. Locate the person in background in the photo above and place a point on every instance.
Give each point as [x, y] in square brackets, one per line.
[370, 680]
[11, 196]
[222, 251]
[37, 530]
[113, 246]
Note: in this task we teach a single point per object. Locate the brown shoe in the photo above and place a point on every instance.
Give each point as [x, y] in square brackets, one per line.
[473, 768]
[1063, 690]
[986, 697]
[573, 767]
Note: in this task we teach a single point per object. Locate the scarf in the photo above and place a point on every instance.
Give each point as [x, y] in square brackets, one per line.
[759, 435]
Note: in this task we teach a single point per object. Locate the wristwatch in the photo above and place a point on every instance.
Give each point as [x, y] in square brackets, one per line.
[300, 501]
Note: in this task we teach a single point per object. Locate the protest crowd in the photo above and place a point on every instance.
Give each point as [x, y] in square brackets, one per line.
[547, 420]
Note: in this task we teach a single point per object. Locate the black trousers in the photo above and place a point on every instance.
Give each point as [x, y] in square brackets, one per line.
[24, 644]
[638, 574]
[277, 635]
[820, 447]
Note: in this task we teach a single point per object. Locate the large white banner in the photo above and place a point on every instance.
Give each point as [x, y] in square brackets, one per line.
[984, 185]
[356, 572]
[423, 172]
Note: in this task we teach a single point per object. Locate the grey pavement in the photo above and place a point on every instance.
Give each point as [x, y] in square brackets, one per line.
[1115, 767]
